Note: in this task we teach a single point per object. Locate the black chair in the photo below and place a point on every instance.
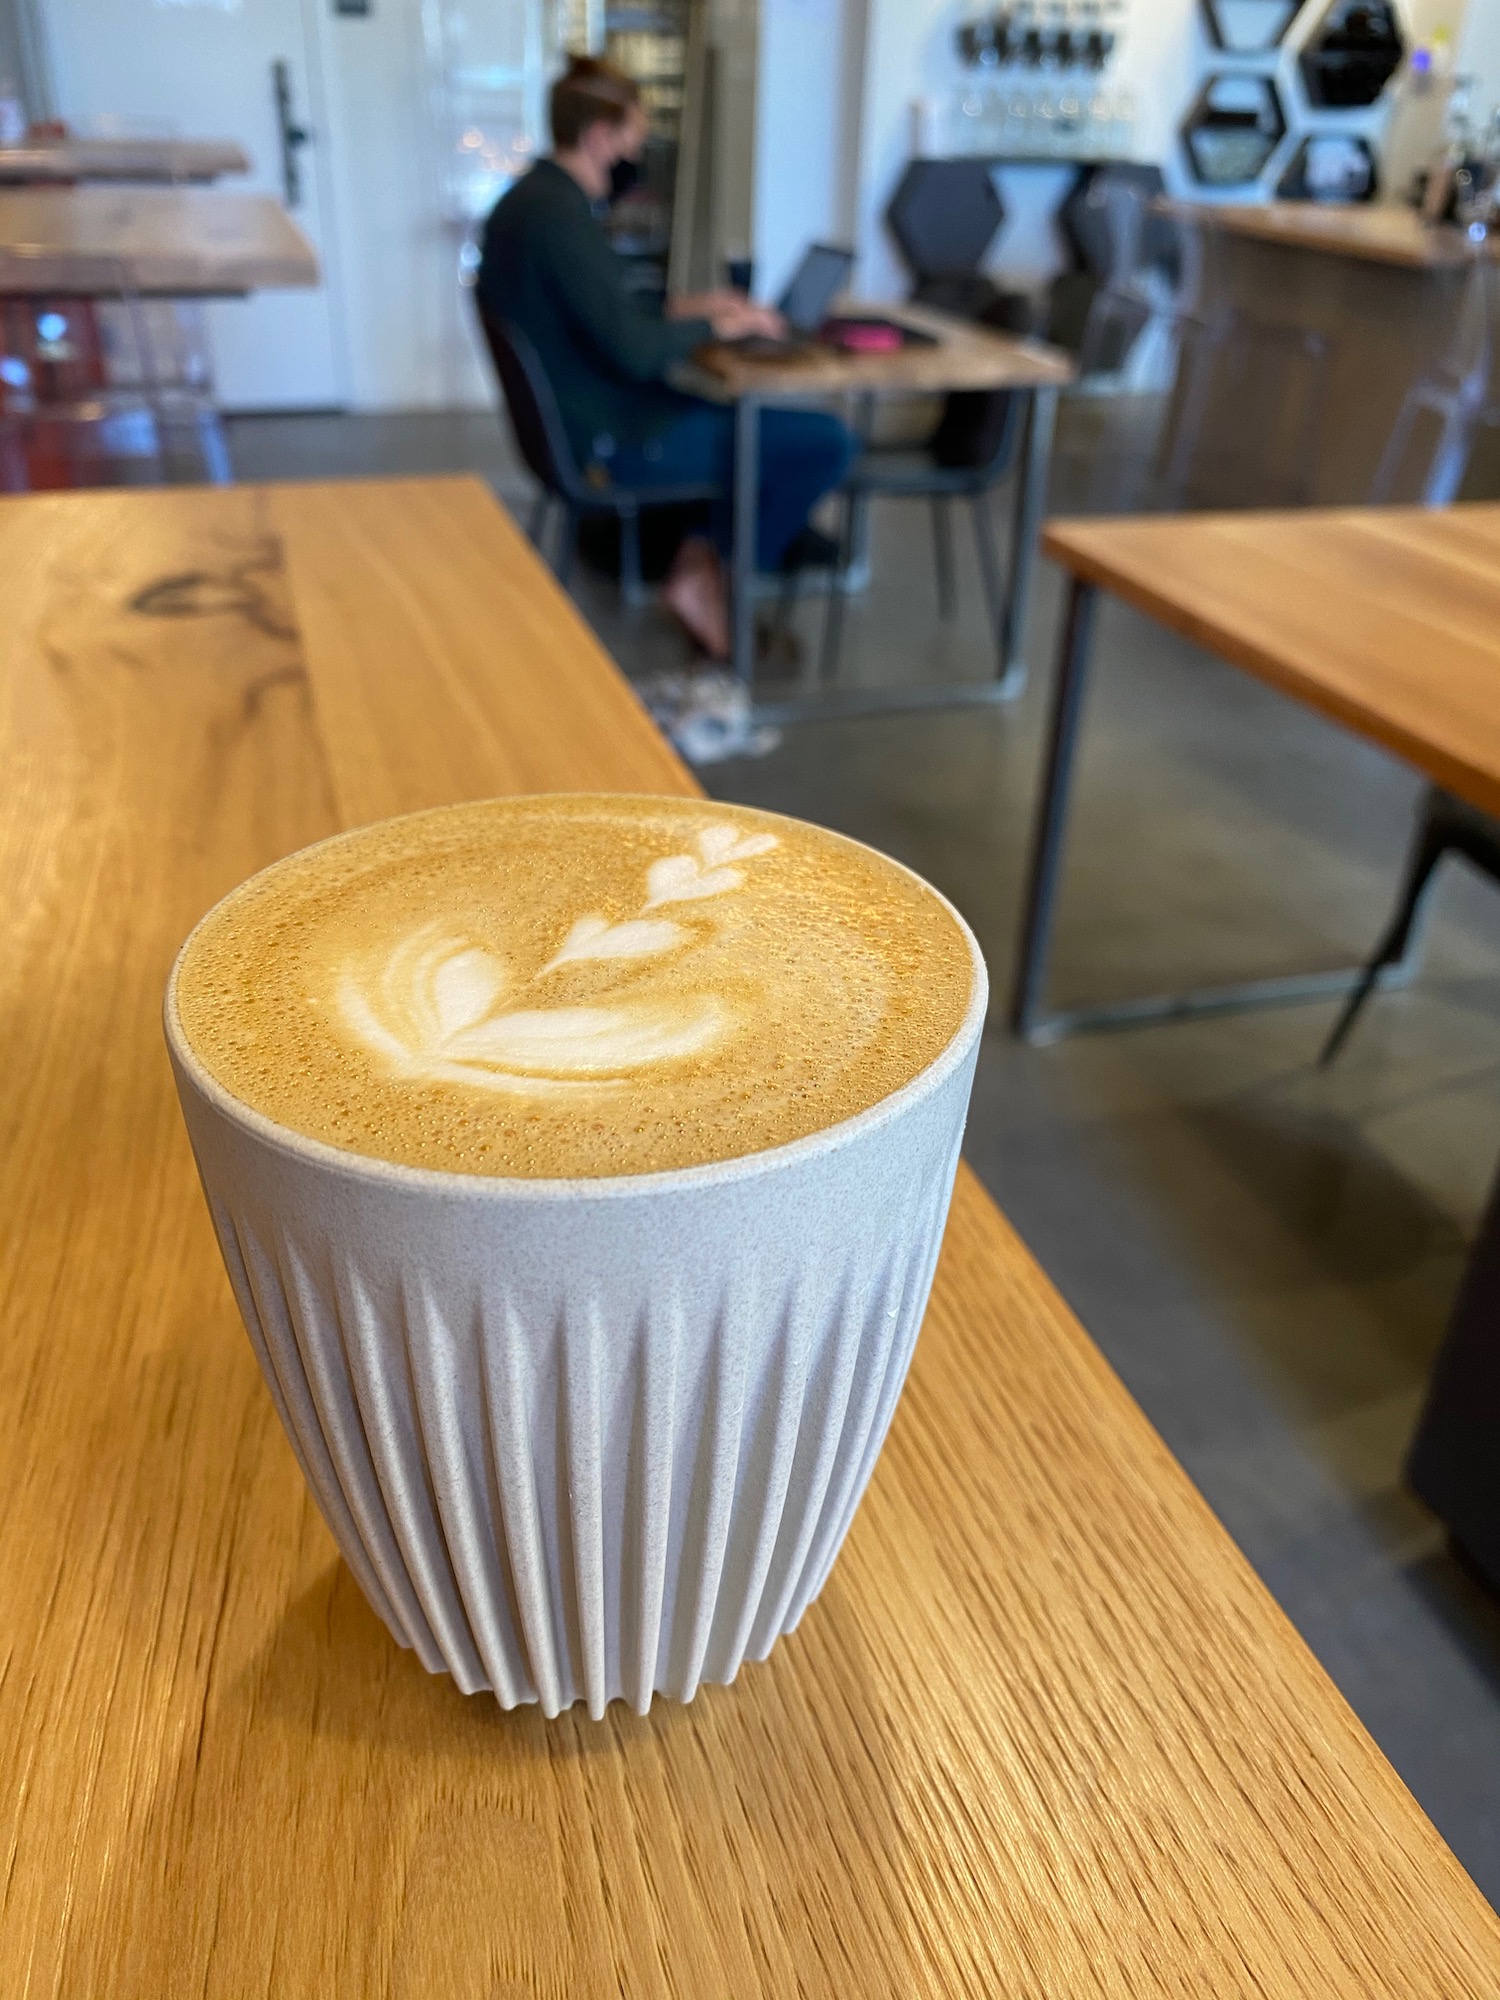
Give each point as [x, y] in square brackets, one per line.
[1445, 825]
[966, 458]
[943, 216]
[543, 444]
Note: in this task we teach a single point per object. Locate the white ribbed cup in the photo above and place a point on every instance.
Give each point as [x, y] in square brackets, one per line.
[585, 1440]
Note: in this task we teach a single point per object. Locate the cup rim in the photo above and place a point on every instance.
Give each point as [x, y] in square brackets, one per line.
[365, 1167]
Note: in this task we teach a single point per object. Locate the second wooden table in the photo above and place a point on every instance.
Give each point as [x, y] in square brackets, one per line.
[961, 356]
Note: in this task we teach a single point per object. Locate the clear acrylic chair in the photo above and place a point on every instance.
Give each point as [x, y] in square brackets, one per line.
[1445, 410]
[1234, 421]
[63, 421]
[100, 387]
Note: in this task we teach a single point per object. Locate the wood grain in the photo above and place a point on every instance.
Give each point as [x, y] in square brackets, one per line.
[76, 159]
[1043, 1735]
[966, 356]
[179, 242]
[1385, 619]
[1375, 232]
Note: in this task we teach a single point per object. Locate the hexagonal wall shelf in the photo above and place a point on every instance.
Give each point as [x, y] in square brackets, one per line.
[1330, 166]
[1352, 54]
[1235, 125]
[1248, 27]
[944, 215]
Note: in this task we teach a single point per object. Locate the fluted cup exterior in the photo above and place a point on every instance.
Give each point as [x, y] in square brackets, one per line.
[596, 1439]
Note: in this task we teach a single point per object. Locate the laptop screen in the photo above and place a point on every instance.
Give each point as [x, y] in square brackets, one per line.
[818, 280]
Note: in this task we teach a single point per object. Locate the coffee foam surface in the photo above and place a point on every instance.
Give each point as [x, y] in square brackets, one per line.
[573, 986]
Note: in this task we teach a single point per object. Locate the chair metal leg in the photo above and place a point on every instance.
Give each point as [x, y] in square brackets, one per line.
[856, 509]
[989, 570]
[536, 525]
[942, 557]
[632, 590]
[1427, 851]
[567, 545]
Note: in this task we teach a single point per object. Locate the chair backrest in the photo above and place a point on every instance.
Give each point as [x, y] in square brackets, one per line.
[534, 416]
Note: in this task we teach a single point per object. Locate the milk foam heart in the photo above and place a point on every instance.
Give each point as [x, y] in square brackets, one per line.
[574, 986]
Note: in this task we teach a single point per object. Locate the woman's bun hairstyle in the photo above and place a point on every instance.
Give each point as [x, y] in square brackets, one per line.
[589, 92]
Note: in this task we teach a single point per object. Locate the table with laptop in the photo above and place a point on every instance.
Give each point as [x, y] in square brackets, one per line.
[862, 354]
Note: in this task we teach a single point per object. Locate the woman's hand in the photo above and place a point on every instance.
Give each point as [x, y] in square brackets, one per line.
[740, 318]
[703, 305]
[731, 315]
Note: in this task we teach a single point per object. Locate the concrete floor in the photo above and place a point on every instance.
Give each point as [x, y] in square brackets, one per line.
[1266, 1254]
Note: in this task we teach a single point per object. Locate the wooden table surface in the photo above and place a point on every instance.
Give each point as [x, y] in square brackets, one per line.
[1377, 232]
[1387, 619]
[174, 241]
[1044, 1734]
[122, 159]
[965, 356]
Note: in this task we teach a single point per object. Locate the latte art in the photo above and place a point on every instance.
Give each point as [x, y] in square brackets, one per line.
[573, 986]
[442, 1008]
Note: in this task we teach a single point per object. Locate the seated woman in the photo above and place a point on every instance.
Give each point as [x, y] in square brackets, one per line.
[549, 269]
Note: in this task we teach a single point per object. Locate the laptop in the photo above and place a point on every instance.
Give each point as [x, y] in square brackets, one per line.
[824, 272]
[817, 281]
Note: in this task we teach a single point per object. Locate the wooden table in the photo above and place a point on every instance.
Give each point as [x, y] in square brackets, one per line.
[1384, 619]
[122, 159]
[962, 356]
[1043, 1735]
[173, 242]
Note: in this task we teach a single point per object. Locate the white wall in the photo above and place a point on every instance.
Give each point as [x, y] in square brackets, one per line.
[910, 54]
[1479, 52]
[409, 344]
[809, 90]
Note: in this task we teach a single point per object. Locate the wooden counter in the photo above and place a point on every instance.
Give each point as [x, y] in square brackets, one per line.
[1043, 1736]
[1384, 292]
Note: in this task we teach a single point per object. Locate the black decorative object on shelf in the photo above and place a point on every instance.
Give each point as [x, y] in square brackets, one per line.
[1248, 27]
[1352, 54]
[1066, 35]
[944, 215]
[1330, 166]
[1235, 125]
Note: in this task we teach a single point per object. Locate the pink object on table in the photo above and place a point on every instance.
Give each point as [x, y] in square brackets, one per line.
[865, 336]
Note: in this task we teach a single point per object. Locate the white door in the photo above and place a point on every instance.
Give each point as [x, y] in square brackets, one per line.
[224, 69]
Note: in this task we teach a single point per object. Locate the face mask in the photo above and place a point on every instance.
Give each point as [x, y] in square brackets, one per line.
[623, 176]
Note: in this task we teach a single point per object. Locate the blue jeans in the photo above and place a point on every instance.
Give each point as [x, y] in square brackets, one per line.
[803, 455]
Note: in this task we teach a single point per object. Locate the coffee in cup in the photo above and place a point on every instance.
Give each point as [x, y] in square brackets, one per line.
[580, 1163]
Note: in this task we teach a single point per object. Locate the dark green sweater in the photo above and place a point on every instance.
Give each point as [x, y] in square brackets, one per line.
[549, 269]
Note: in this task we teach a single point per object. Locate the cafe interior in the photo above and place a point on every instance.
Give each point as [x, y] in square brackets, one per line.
[1153, 617]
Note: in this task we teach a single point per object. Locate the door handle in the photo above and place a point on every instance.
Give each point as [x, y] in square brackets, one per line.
[293, 136]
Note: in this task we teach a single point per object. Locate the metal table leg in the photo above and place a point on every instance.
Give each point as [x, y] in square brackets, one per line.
[1028, 1018]
[746, 515]
[1052, 808]
[1026, 535]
